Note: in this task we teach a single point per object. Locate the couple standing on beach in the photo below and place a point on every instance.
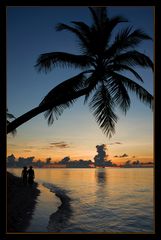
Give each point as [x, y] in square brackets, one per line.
[28, 176]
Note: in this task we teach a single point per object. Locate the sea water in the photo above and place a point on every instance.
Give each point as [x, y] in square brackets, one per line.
[108, 200]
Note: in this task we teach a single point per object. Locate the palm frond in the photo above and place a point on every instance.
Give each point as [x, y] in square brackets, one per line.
[84, 29]
[118, 93]
[91, 83]
[63, 96]
[133, 58]
[131, 39]
[110, 25]
[49, 60]
[10, 116]
[64, 90]
[112, 22]
[126, 39]
[102, 14]
[102, 107]
[123, 67]
[140, 92]
[99, 15]
[75, 31]
[88, 34]
[54, 112]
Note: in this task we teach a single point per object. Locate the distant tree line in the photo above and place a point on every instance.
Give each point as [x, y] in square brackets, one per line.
[98, 161]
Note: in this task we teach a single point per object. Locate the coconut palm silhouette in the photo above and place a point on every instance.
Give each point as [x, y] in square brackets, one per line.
[103, 60]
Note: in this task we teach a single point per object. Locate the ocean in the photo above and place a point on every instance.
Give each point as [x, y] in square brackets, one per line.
[99, 200]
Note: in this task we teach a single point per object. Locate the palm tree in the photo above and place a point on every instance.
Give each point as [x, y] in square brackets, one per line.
[102, 62]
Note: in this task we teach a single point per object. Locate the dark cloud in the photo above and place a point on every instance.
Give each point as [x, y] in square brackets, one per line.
[122, 156]
[59, 145]
[56, 143]
[101, 156]
[114, 143]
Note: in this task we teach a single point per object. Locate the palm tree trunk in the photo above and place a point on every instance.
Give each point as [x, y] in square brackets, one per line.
[42, 108]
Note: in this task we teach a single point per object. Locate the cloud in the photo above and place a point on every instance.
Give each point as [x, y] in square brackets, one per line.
[25, 150]
[12, 145]
[29, 147]
[59, 145]
[122, 156]
[21, 146]
[114, 143]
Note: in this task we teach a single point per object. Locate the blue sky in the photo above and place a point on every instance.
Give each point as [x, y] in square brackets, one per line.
[30, 32]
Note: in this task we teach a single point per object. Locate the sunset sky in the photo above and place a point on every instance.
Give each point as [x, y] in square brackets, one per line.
[30, 32]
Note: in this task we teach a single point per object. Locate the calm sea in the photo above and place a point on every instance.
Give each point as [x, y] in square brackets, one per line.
[95, 200]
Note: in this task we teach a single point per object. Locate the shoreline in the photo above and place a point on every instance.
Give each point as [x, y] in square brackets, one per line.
[47, 204]
[59, 219]
[21, 202]
[85, 167]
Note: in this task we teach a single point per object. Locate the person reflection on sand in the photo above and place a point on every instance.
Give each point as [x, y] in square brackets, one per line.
[31, 176]
[24, 175]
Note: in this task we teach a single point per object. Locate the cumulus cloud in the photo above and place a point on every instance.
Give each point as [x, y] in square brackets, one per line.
[60, 145]
[101, 156]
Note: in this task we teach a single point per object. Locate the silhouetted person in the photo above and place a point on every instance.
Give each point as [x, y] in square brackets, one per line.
[24, 175]
[31, 176]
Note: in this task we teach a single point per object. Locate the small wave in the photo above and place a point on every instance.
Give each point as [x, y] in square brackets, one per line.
[60, 219]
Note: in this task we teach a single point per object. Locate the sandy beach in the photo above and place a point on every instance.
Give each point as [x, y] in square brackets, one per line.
[21, 201]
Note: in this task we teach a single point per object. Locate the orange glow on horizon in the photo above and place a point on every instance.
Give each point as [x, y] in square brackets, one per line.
[59, 156]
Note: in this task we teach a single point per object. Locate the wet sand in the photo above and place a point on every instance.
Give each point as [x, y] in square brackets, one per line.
[47, 204]
[59, 220]
[21, 201]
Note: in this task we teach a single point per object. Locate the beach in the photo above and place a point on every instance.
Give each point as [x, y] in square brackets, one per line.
[26, 205]
[72, 200]
[21, 202]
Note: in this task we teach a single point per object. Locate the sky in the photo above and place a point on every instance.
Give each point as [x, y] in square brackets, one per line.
[30, 32]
